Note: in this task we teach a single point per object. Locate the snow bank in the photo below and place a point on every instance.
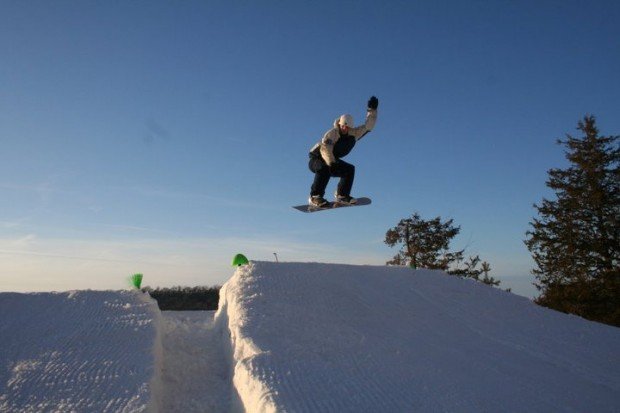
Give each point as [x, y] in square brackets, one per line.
[340, 338]
[84, 351]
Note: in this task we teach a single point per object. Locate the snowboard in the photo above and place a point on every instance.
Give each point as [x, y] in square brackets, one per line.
[332, 205]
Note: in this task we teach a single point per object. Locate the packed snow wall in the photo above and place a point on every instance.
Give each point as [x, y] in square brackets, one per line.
[341, 338]
[96, 351]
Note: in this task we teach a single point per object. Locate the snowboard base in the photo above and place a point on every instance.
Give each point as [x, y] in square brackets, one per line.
[332, 205]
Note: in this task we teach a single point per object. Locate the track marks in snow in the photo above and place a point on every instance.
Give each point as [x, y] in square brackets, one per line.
[359, 338]
[78, 351]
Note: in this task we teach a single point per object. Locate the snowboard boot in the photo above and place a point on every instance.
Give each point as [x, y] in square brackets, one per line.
[345, 199]
[317, 201]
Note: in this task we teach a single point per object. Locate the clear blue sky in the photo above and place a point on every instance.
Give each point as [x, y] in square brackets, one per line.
[164, 137]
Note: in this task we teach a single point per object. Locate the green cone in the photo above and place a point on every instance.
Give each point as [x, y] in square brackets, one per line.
[136, 280]
[239, 260]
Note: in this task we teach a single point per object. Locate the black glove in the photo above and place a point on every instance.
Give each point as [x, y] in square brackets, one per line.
[373, 103]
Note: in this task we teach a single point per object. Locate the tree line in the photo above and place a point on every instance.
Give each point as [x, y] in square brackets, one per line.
[185, 298]
[574, 241]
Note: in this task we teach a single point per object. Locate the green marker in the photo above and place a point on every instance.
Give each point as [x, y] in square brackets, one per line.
[136, 280]
[239, 260]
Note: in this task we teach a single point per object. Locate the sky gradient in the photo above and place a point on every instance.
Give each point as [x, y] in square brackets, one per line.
[165, 137]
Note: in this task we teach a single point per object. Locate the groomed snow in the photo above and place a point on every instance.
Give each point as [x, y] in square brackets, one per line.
[80, 351]
[306, 338]
[341, 338]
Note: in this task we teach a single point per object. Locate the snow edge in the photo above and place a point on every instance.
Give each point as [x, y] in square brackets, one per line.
[157, 352]
[252, 393]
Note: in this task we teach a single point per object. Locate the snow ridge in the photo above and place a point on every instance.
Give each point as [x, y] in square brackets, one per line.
[342, 338]
[230, 319]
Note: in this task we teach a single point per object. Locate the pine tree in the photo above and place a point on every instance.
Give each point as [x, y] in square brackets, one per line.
[423, 243]
[575, 242]
[471, 270]
[486, 269]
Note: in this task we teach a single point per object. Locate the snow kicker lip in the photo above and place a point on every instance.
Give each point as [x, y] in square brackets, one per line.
[347, 338]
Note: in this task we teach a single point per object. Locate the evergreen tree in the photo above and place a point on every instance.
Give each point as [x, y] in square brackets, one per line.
[423, 243]
[575, 241]
[471, 270]
[486, 269]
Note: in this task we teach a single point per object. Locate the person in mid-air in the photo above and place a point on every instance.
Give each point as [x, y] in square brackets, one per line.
[325, 156]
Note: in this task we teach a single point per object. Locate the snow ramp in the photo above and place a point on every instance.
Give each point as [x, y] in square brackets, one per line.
[309, 337]
[80, 351]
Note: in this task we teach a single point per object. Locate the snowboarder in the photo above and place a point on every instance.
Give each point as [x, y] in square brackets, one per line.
[325, 156]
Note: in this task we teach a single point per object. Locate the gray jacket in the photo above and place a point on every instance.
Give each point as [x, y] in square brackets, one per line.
[332, 136]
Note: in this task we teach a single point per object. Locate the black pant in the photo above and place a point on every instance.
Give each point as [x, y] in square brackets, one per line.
[345, 171]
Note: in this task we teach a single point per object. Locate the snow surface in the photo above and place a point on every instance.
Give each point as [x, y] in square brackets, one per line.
[196, 369]
[340, 338]
[80, 351]
[306, 338]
